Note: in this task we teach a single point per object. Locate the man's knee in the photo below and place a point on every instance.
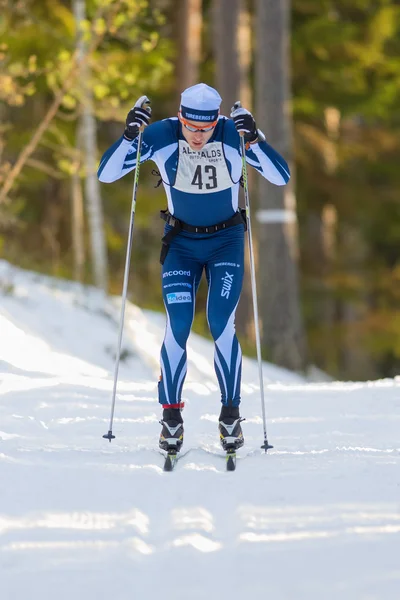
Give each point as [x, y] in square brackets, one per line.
[180, 322]
[219, 323]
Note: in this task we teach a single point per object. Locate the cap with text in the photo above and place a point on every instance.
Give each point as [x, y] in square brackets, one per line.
[200, 103]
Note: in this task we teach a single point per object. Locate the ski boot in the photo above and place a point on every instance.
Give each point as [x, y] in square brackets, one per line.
[171, 436]
[230, 430]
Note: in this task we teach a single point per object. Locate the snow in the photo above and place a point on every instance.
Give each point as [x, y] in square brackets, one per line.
[318, 517]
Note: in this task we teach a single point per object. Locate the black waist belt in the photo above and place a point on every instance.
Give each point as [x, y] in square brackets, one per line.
[178, 226]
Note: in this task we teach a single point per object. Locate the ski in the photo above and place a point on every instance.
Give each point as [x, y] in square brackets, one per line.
[170, 460]
[231, 459]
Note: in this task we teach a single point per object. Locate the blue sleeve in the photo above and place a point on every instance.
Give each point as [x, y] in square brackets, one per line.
[261, 156]
[268, 162]
[121, 157]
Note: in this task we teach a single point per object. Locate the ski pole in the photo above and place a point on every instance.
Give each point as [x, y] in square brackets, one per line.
[109, 436]
[265, 445]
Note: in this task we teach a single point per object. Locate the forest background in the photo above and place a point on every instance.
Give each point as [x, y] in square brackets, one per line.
[323, 80]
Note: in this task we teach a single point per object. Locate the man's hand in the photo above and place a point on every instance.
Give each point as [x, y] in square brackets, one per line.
[138, 117]
[244, 122]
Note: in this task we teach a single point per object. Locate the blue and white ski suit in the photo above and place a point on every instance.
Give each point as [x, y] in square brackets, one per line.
[202, 189]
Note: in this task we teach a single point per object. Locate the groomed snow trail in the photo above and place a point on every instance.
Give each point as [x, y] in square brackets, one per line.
[318, 517]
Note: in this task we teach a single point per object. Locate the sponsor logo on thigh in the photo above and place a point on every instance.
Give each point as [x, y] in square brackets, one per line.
[179, 297]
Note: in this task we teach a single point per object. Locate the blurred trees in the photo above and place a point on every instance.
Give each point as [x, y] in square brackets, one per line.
[345, 79]
[42, 72]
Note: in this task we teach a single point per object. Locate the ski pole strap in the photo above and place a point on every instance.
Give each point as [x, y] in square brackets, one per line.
[177, 226]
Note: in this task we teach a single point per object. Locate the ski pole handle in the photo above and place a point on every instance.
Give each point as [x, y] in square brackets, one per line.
[237, 105]
[146, 105]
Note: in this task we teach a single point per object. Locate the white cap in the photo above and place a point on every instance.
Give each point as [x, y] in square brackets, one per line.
[200, 103]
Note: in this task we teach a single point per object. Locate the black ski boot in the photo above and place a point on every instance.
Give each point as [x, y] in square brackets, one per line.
[230, 430]
[171, 436]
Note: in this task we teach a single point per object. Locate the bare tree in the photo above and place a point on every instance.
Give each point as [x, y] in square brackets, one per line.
[283, 334]
[89, 143]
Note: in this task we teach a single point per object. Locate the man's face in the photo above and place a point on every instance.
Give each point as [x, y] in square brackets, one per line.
[196, 139]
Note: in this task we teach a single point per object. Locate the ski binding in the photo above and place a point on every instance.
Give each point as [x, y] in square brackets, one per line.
[171, 459]
[231, 459]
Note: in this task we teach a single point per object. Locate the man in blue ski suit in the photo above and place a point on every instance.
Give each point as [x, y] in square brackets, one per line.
[199, 158]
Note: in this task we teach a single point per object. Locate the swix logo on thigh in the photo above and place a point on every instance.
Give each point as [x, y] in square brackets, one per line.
[179, 298]
[226, 285]
[171, 273]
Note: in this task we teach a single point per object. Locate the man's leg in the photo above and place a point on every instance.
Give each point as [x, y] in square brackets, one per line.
[225, 279]
[180, 279]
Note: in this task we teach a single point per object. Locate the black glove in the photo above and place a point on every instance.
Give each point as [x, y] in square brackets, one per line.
[139, 116]
[244, 121]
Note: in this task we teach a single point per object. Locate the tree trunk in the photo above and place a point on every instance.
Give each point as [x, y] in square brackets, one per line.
[283, 335]
[232, 51]
[225, 17]
[77, 229]
[92, 186]
[189, 23]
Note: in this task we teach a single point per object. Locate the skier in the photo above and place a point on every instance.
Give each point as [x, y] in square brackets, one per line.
[199, 159]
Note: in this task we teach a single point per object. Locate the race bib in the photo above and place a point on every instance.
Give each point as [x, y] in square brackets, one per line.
[202, 171]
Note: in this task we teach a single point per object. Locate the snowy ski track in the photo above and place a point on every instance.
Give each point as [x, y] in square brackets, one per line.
[317, 518]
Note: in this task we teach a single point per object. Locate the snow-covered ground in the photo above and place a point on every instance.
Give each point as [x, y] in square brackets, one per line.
[317, 518]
